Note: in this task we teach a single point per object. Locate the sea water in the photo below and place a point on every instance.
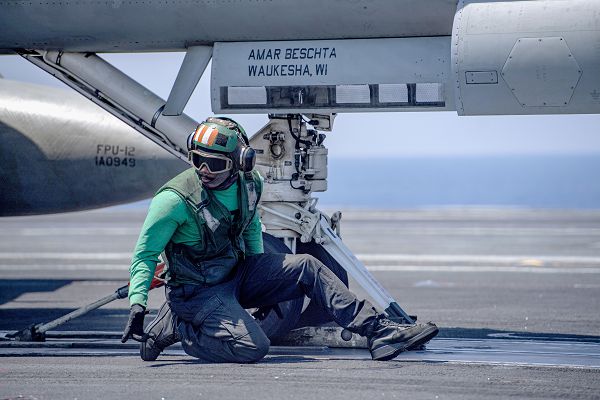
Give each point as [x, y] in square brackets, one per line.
[536, 181]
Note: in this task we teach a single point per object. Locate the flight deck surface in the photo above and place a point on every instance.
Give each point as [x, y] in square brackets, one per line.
[516, 294]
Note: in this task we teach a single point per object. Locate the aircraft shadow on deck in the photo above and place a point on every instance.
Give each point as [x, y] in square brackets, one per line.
[485, 333]
[11, 289]
[23, 316]
[97, 320]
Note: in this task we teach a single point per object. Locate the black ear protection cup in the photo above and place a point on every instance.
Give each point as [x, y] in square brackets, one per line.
[247, 158]
[244, 155]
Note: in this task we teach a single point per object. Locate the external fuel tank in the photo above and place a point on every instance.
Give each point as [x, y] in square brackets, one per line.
[59, 152]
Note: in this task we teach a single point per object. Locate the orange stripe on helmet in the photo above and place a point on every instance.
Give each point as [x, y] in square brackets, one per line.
[213, 136]
[199, 131]
[197, 135]
[202, 133]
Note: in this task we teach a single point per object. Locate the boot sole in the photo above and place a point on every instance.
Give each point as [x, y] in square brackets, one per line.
[389, 351]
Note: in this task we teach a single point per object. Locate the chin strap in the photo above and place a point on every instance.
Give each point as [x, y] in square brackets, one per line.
[228, 182]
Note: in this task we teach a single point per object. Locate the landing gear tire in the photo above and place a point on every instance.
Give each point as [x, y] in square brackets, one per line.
[293, 317]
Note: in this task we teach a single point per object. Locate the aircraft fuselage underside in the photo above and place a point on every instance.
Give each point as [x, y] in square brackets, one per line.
[157, 25]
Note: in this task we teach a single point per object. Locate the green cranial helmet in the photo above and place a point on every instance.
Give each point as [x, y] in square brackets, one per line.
[224, 136]
[214, 137]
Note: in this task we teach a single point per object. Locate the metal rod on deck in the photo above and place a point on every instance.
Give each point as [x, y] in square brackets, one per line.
[36, 332]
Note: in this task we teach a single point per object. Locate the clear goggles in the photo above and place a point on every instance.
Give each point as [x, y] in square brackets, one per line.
[215, 163]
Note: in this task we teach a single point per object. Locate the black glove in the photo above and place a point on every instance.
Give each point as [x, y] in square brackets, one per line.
[135, 326]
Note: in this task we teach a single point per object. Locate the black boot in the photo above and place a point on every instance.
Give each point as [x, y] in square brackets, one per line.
[160, 334]
[390, 338]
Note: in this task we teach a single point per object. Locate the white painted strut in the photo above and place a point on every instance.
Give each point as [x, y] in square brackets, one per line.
[344, 256]
[120, 95]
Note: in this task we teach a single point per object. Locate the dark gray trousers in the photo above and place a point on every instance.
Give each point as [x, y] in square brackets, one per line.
[215, 326]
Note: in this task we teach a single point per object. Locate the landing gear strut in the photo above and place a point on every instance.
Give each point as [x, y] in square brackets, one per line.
[293, 160]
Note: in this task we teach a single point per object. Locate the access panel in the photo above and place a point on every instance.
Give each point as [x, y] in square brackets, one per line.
[527, 57]
[327, 76]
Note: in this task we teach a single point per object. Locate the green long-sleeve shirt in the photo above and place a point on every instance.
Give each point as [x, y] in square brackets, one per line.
[169, 219]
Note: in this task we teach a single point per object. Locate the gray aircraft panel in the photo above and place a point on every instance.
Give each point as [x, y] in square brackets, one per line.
[154, 25]
[527, 57]
[393, 74]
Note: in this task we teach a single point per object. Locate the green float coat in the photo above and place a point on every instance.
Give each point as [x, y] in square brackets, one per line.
[170, 220]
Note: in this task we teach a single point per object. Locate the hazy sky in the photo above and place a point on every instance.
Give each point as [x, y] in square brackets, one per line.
[390, 134]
